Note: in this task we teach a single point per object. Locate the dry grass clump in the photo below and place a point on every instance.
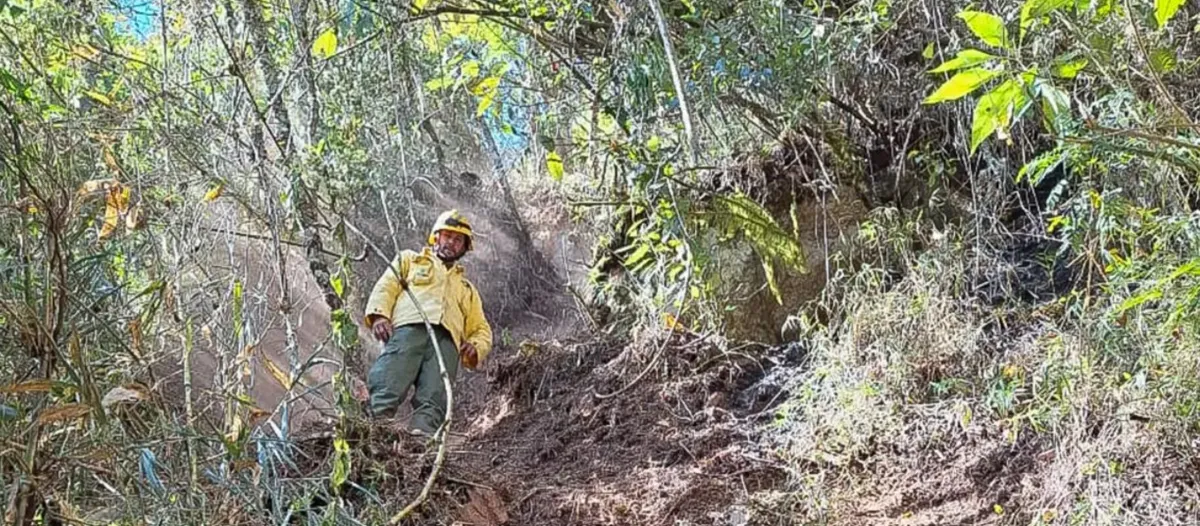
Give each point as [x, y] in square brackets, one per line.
[923, 405]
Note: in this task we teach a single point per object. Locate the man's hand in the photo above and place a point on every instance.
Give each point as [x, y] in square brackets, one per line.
[470, 357]
[382, 329]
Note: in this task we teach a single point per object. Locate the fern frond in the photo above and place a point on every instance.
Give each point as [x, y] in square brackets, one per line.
[773, 243]
[770, 240]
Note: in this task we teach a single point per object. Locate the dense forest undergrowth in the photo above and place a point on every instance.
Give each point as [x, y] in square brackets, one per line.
[875, 262]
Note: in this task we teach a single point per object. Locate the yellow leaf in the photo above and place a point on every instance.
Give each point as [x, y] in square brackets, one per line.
[326, 44]
[554, 164]
[213, 193]
[283, 378]
[99, 97]
[529, 348]
[470, 69]
[486, 86]
[671, 322]
[484, 103]
[998, 509]
[116, 205]
[111, 161]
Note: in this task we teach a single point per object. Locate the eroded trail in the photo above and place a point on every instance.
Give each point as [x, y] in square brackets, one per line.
[537, 442]
[671, 447]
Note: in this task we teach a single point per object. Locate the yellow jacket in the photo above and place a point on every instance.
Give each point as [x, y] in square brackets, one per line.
[445, 294]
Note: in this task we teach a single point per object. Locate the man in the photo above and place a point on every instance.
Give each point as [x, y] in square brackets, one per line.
[454, 308]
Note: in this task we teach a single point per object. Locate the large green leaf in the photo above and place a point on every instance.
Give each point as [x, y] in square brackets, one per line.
[326, 44]
[961, 85]
[1164, 10]
[988, 27]
[994, 111]
[965, 59]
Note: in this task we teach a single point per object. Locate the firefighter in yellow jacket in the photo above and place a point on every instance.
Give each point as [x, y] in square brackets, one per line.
[453, 307]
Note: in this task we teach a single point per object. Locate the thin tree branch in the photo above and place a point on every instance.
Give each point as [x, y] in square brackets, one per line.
[679, 92]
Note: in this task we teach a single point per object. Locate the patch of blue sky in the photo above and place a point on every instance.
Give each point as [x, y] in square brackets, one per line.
[138, 18]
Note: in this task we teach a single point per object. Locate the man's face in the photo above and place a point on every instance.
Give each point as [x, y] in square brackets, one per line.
[450, 245]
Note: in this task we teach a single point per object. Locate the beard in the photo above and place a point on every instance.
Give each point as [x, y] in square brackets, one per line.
[443, 253]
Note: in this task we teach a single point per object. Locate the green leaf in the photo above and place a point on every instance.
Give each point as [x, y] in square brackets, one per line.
[928, 53]
[1148, 295]
[339, 286]
[1163, 60]
[1164, 10]
[769, 270]
[554, 164]
[341, 464]
[1070, 69]
[961, 85]
[420, 5]
[51, 111]
[994, 111]
[988, 27]
[965, 59]
[1036, 170]
[1055, 102]
[326, 44]
[439, 83]
[674, 272]
[485, 102]
[1035, 9]
[654, 143]
[470, 69]
[99, 97]
[9, 82]
[487, 85]
[643, 249]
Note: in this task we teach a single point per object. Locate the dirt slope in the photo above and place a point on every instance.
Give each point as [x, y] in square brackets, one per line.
[537, 441]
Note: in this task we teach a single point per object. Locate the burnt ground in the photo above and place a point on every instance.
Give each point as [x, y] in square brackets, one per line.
[536, 440]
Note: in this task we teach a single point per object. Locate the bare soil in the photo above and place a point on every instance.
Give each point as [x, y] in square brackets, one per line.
[536, 441]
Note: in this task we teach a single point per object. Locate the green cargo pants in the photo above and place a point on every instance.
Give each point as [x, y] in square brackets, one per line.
[408, 358]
